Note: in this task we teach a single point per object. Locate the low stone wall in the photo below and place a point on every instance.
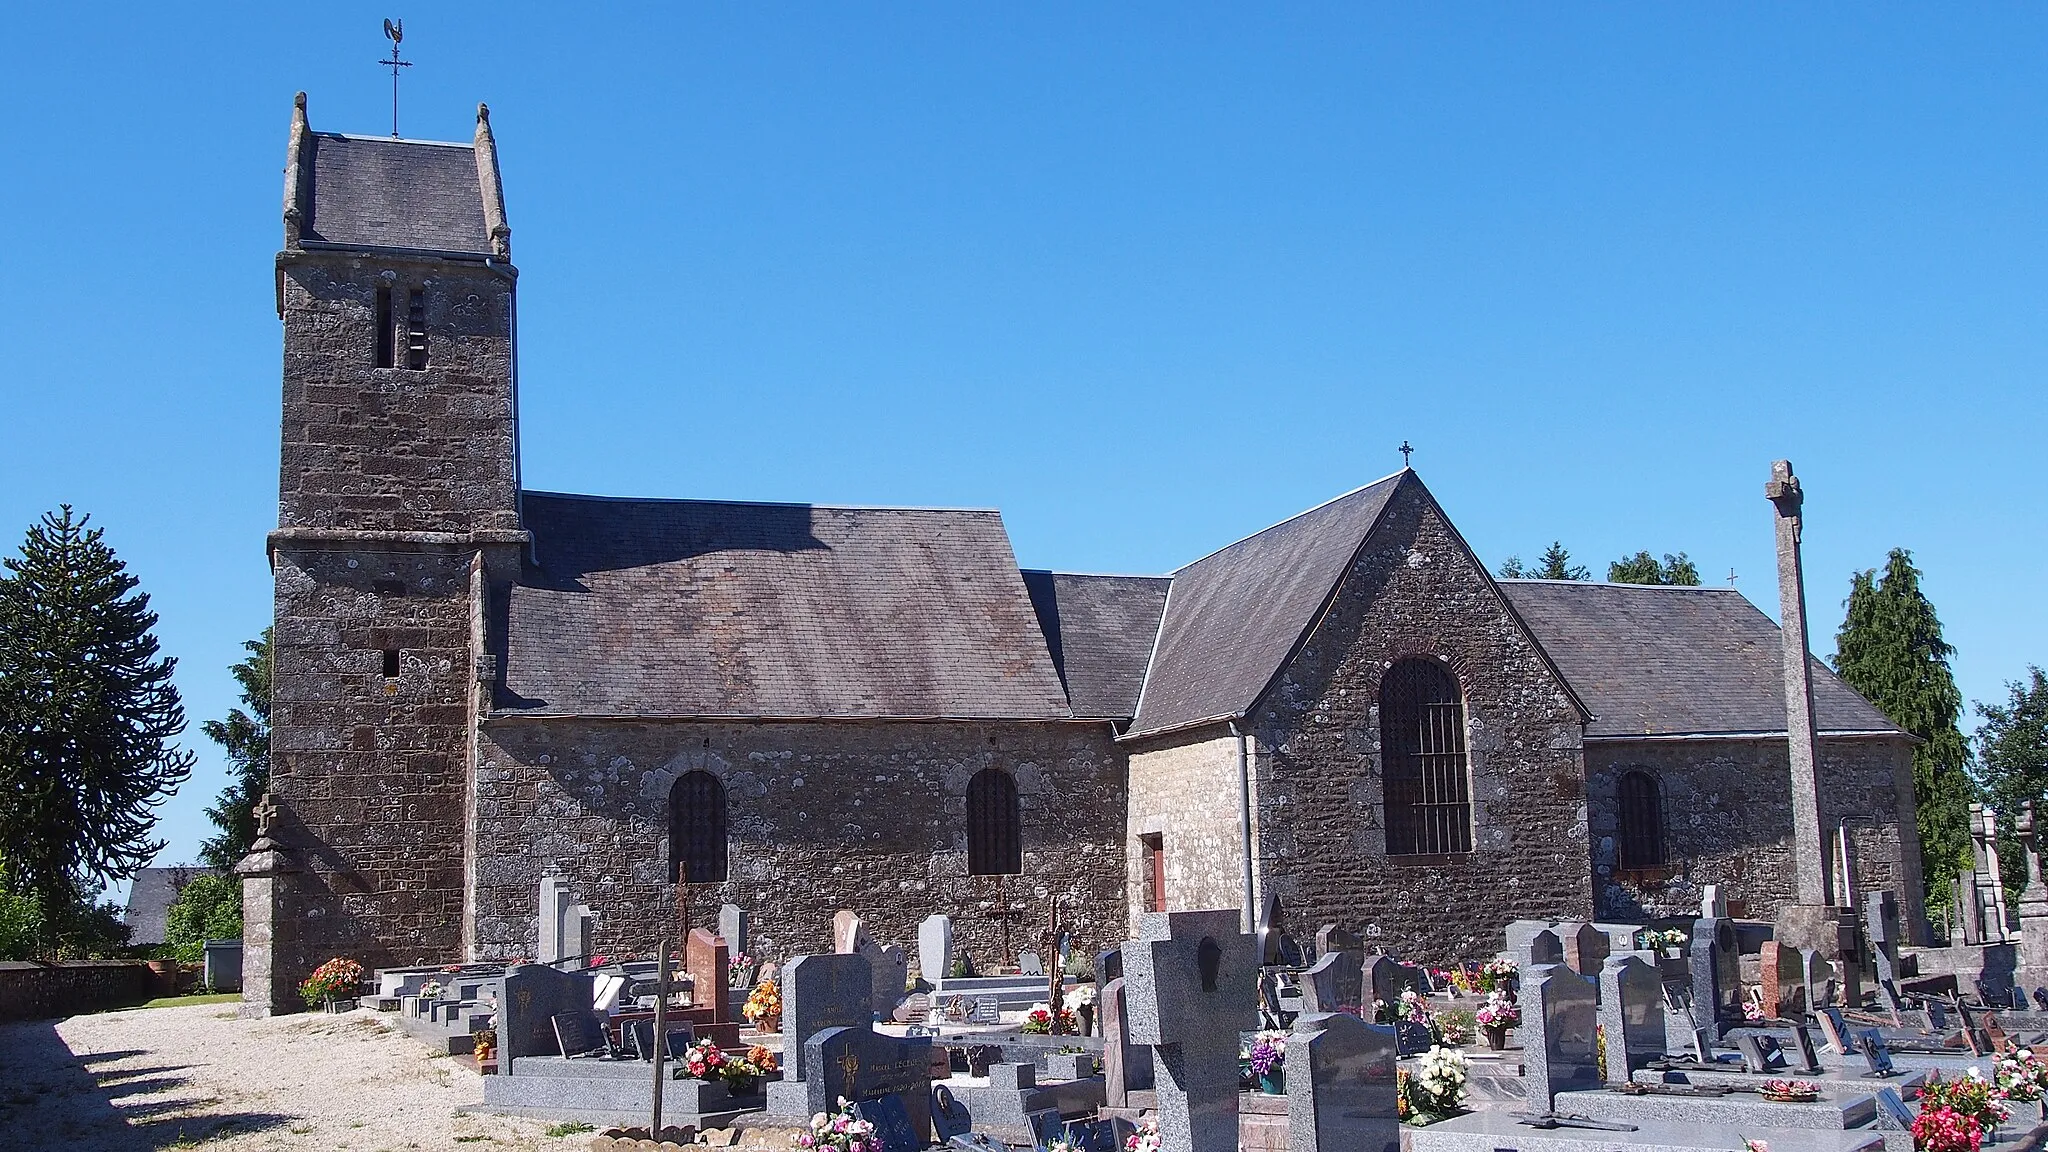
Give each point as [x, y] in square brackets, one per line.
[32, 990]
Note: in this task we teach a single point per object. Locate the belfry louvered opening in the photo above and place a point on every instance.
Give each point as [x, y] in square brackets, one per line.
[696, 829]
[995, 834]
[1426, 772]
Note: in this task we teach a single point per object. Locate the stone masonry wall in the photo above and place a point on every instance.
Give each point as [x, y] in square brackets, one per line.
[1415, 591]
[370, 770]
[1185, 790]
[394, 449]
[821, 816]
[1727, 810]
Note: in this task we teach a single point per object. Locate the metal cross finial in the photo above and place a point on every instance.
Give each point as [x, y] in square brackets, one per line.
[1405, 450]
[394, 30]
[1731, 577]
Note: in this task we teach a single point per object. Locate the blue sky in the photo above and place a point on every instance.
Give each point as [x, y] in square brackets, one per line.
[1146, 277]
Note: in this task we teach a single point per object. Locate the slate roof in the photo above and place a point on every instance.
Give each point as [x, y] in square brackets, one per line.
[372, 192]
[1234, 616]
[150, 896]
[708, 608]
[1099, 631]
[1655, 661]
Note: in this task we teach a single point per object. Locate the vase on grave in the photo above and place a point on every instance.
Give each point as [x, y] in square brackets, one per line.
[1274, 1081]
[1496, 1036]
[1087, 1014]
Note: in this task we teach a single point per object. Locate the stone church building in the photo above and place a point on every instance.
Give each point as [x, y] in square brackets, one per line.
[797, 708]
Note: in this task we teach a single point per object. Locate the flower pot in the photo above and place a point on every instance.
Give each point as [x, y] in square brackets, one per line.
[1496, 1036]
[1273, 1083]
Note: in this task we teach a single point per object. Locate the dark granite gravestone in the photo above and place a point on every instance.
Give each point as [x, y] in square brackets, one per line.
[1716, 974]
[1877, 1055]
[820, 992]
[1047, 1128]
[1341, 1086]
[1126, 1067]
[861, 1064]
[1386, 978]
[1330, 938]
[1093, 1136]
[1802, 1044]
[533, 994]
[949, 1115]
[1893, 1114]
[1335, 982]
[578, 1034]
[1188, 984]
[1109, 965]
[1881, 924]
[1545, 947]
[1632, 1014]
[892, 1123]
[1760, 1054]
[1559, 1045]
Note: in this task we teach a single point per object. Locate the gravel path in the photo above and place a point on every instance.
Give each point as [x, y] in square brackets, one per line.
[193, 1076]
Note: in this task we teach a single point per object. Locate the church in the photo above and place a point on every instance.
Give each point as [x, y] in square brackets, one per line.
[799, 708]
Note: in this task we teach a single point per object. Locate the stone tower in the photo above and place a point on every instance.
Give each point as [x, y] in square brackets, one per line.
[398, 514]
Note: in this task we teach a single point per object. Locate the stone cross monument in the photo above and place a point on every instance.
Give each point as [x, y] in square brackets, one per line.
[1809, 852]
[1188, 980]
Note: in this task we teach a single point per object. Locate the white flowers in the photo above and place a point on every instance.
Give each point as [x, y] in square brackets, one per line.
[1437, 1086]
[1078, 997]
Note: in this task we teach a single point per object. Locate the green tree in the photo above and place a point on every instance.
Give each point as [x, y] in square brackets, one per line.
[1554, 564]
[246, 737]
[208, 908]
[1890, 649]
[90, 712]
[2012, 768]
[1643, 568]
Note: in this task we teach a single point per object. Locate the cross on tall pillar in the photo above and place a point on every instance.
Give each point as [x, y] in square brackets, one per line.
[1809, 848]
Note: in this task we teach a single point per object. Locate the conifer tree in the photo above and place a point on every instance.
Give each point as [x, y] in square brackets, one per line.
[1554, 564]
[90, 713]
[246, 738]
[2012, 768]
[1643, 568]
[1890, 649]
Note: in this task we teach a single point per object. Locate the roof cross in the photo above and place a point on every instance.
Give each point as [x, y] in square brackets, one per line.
[1405, 450]
[394, 30]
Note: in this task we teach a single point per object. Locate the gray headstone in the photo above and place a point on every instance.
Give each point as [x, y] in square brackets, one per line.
[554, 912]
[1341, 1086]
[533, 995]
[859, 1064]
[821, 992]
[1545, 947]
[935, 947]
[1029, 964]
[1716, 974]
[889, 974]
[1384, 979]
[1109, 965]
[1335, 983]
[1559, 1046]
[1585, 947]
[732, 925]
[1126, 1067]
[1632, 1014]
[1188, 980]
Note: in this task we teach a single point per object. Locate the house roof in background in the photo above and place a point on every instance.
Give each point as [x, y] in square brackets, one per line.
[367, 191]
[1099, 631]
[1659, 661]
[712, 608]
[150, 896]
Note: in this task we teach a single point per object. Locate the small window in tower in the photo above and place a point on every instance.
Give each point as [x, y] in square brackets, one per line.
[384, 333]
[416, 330]
[390, 662]
[1154, 847]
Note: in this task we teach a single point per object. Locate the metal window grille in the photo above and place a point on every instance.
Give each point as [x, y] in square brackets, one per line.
[384, 329]
[995, 840]
[1642, 821]
[416, 330]
[1425, 768]
[696, 829]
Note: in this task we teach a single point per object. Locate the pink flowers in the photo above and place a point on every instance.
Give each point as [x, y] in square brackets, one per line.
[1940, 1128]
[839, 1132]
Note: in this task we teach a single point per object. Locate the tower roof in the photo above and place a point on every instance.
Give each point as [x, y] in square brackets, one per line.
[381, 193]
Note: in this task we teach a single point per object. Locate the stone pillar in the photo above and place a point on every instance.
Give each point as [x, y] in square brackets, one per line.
[1984, 830]
[1809, 850]
[2033, 960]
[270, 875]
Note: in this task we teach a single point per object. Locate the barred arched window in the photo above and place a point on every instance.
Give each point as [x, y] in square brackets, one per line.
[1642, 820]
[696, 829]
[1423, 760]
[995, 837]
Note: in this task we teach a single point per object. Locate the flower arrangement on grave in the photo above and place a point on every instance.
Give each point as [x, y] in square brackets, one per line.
[1943, 1129]
[840, 1131]
[736, 966]
[1790, 1091]
[484, 1045]
[2021, 1076]
[703, 1060]
[1266, 1058]
[1436, 1089]
[338, 978]
[1967, 1095]
[1749, 1145]
[1145, 1139]
[1402, 1109]
[1753, 1004]
[1410, 1007]
[1457, 1026]
[1658, 939]
[1078, 997]
[431, 990]
[1499, 975]
[1038, 1021]
[764, 1006]
[1499, 1011]
[742, 1073]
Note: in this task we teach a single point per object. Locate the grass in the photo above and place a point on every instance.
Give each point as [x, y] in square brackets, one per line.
[570, 1128]
[175, 1001]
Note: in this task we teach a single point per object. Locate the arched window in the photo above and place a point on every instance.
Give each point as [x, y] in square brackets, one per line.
[1423, 761]
[1642, 821]
[995, 836]
[696, 829]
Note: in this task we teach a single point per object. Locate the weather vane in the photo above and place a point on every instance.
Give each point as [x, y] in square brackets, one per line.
[1405, 450]
[394, 30]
